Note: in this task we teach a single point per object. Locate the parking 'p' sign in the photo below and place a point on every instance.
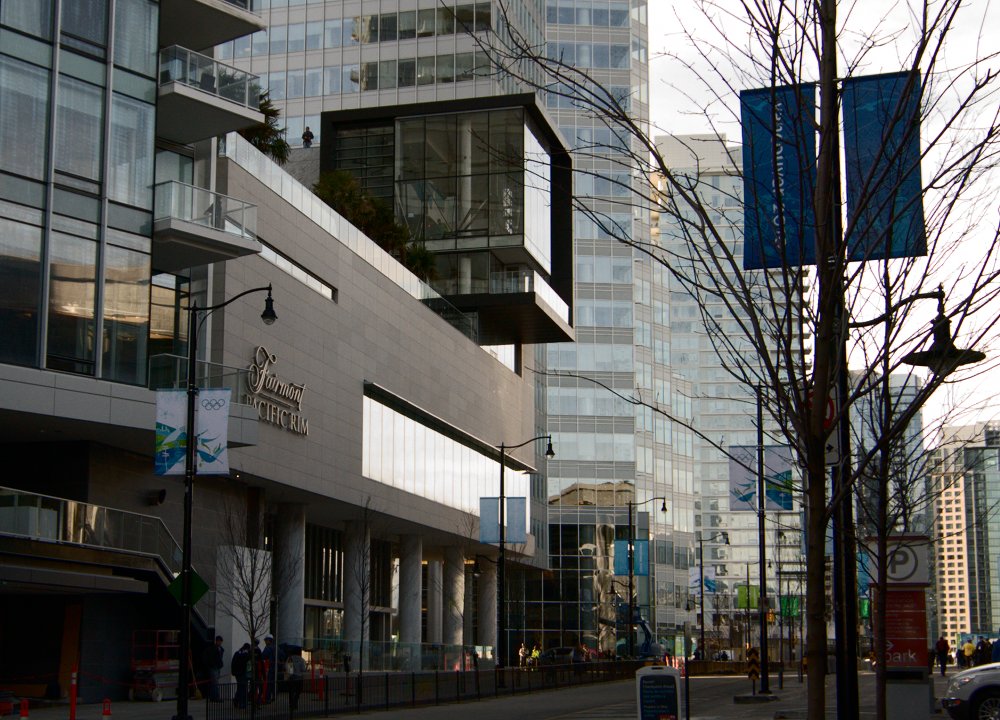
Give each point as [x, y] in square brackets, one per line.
[907, 561]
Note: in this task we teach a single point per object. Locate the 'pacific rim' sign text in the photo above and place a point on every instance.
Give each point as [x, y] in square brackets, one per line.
[277, 402]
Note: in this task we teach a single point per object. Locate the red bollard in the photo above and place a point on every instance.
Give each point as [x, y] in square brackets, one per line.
[72, 695]
[106, 712]
[24, 708]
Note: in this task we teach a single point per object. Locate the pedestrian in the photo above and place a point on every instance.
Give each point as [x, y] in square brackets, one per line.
[269, 659]
[307, 138]
[522, 656]
[241, 667]
[995, 651]
[214, 662]
[968, 653]
[943, 650]
[983, 651]
[295, 672]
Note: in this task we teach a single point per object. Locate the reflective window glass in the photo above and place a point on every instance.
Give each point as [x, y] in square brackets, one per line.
[332, 33]
[79, 128]
[130, 174]
[20, 276]
[30, 16]
[72, 276]
[296, 37]
[407, 24]
[295, 87]
[388, 27]
[425, 22]
[24, 105]
[278, 39]
[135, 35]
[425, 70]
[407, 75]
[126, 313]
[84, 25]
[387, 74]
[314, 35]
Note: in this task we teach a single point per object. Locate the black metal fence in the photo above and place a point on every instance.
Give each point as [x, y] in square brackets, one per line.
[356, 692]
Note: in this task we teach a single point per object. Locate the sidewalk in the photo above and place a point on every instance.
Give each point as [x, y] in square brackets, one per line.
[711, 699]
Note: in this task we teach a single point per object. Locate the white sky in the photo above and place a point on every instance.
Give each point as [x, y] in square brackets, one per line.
[678, 98]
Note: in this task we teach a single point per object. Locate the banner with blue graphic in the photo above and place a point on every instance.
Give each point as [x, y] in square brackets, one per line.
[640, 557]
[779, 477]
[885, 211]
[779, 176]
[211, 421]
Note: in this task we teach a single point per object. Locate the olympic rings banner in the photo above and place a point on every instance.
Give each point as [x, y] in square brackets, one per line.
[212, 423]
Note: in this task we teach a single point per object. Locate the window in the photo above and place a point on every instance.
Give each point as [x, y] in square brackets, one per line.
[407, 25]
[135, 36]
[20, 254]
[296, 37]
[79, 128]
[24, 97]
[30, 16]
[130, 174]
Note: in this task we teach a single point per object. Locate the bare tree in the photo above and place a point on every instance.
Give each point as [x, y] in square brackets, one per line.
[850, 305]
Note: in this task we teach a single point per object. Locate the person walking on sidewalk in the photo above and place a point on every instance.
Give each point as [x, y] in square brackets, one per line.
[943, 652]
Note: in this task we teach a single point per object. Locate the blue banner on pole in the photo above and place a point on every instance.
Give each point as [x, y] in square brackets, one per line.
[885, 209]
[640, 557]
[515, 518]
[779, 176]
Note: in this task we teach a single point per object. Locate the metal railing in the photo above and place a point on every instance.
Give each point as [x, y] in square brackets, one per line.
[339, 693]
[169, 372]
[178, 64]
[58, 520]
[173, 199]
[388, 656]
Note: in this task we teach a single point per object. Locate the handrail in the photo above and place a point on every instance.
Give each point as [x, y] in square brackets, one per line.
[58, 520]
[178, 64]
[169, 372]
[173, 199]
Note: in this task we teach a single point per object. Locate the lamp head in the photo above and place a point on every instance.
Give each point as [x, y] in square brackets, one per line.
[268, 316]
[943, 357]
[549, 452]
[663, 507]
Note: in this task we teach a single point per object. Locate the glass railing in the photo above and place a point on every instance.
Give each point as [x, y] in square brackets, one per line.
[178, 64]
[395, 656]
[520, 280]
[169, 372]
[57, 520]
[197, 205]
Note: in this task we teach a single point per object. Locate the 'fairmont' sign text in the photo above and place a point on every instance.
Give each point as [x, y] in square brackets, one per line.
[277, 402]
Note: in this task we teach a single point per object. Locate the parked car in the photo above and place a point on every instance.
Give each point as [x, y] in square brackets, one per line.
[974, 694]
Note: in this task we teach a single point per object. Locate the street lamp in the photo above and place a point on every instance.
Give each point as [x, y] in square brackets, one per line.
[701, 574]
[501, 575]
[631, 569]
[190, 470]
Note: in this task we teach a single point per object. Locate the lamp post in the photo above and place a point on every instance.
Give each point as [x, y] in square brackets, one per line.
[631, 568]
[701, 574]
[761, 506]
[190, 470]
[501, 652]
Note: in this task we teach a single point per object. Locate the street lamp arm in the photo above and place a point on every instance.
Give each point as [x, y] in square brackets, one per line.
[504, 446]
[931, 295]
[234, 298]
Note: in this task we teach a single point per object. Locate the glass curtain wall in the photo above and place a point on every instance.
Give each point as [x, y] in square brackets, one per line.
[85, 308]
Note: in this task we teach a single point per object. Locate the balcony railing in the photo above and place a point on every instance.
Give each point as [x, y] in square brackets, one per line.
[169, 372]
[58, 520]
[522, 280]
[178, 64]
[203, 207]
[41, 517]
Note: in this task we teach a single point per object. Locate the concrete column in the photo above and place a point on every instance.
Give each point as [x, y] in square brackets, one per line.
[487, 585]
[434, 601]
[454, 596]
[289, 572]
[411, 551]
[357, 561]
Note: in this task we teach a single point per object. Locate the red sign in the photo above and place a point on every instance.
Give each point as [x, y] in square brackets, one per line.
[905, 628]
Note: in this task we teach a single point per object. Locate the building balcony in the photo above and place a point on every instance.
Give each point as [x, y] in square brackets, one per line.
[201, 98]
[193, 226]
[201, 24]
[516, 305]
